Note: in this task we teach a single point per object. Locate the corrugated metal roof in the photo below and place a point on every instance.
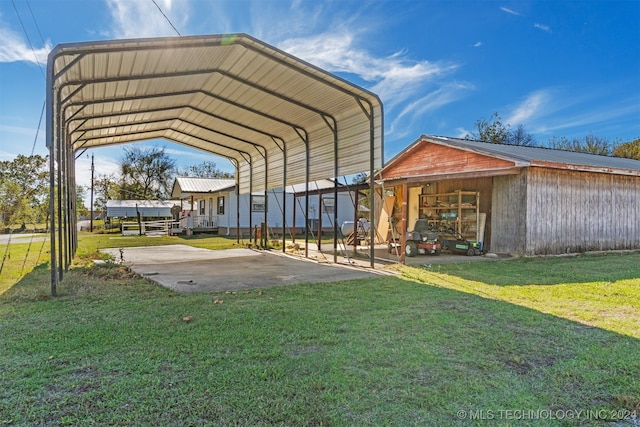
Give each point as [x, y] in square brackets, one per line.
[533, 156]
[231, 95]
[147, 208]
[538, 154]
[323, 184]
[189, 185]
[142, 203]
[183, 184]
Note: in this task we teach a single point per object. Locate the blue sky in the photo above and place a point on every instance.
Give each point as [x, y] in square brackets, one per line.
[561, 68]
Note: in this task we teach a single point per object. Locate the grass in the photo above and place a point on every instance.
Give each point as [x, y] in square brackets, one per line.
[92, 242]
[596, 290]
[413, 349]
[19, 259]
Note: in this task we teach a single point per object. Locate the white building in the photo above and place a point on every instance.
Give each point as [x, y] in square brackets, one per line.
[160, 209]
[216, 207]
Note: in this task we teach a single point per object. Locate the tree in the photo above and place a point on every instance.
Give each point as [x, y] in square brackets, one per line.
[146, 173]
[81, 193]
[629, 150]
[23, 189]
[520, 136]
[205, 169]
[491, 130]
[589, 144]
[105, 187]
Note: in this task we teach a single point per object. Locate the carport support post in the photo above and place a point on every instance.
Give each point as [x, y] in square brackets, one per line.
[237, 192]
[320, 201]
[355, 224]
[238, 206]
[51, 144]
[52, 220]
[193, 220]
[293, 226]
[403, 235]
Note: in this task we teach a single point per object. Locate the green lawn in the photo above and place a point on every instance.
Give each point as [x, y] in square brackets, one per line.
[486, 340]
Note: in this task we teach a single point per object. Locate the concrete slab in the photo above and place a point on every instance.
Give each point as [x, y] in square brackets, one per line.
[187, 269]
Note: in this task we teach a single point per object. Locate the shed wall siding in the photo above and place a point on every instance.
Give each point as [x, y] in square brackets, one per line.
[509, 215]
[430, 159]
[572, 212]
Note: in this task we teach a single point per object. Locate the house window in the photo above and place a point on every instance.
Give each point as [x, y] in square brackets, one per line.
[201, 207]
[221, 205]
[328, 205]
[257, 203]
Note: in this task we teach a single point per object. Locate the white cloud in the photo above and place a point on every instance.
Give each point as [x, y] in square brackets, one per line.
[533, 105]
[589, 118]
[461, 133]
[105, 164]
[134, 19]
[13, 48]
[394, 77]
[543, 27]
[477, 44]
[433, 101]
[510, 11]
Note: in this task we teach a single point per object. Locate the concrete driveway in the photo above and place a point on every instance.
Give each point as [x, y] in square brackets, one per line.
[187, 269]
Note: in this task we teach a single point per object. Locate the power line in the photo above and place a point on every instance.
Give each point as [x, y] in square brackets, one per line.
[165, 17]
[38, 129]
[36, 58]
[28, 39]
[35, 22]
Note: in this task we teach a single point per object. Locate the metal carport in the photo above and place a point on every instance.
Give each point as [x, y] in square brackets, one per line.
[279, 120]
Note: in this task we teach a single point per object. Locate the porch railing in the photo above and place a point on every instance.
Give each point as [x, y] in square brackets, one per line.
[199, 221]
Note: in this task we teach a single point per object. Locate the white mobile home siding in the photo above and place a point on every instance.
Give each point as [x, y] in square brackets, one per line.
[227, 222]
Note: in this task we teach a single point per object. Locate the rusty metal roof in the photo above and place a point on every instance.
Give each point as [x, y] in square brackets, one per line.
[540, 156]
[523, 156]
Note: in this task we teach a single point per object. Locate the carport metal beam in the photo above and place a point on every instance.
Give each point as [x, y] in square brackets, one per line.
[275, 94]
[273, 137]
[58, 140]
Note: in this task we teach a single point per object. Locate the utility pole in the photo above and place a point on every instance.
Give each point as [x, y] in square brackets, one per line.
[91, 206]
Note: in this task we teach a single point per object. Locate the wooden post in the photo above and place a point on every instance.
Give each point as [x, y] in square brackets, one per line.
[403, 228]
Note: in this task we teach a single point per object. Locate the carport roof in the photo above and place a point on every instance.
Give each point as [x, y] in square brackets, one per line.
[232, 95]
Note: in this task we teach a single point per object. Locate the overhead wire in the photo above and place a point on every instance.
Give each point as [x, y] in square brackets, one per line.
[33, 147]
[167, 18]
[28, 39]
[35, 22]
[35, 55]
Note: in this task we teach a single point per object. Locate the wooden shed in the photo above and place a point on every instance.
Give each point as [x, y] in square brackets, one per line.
[514, 199]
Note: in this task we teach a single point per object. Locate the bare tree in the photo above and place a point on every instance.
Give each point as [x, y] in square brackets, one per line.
[205, 169]
[146, 173]
[589, 144]
[520, 136]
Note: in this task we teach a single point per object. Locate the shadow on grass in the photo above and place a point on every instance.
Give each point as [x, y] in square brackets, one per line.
[609, 267]
[364, 352]
[33, 285]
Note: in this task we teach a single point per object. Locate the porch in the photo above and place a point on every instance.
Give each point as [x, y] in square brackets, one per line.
[200, 223]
